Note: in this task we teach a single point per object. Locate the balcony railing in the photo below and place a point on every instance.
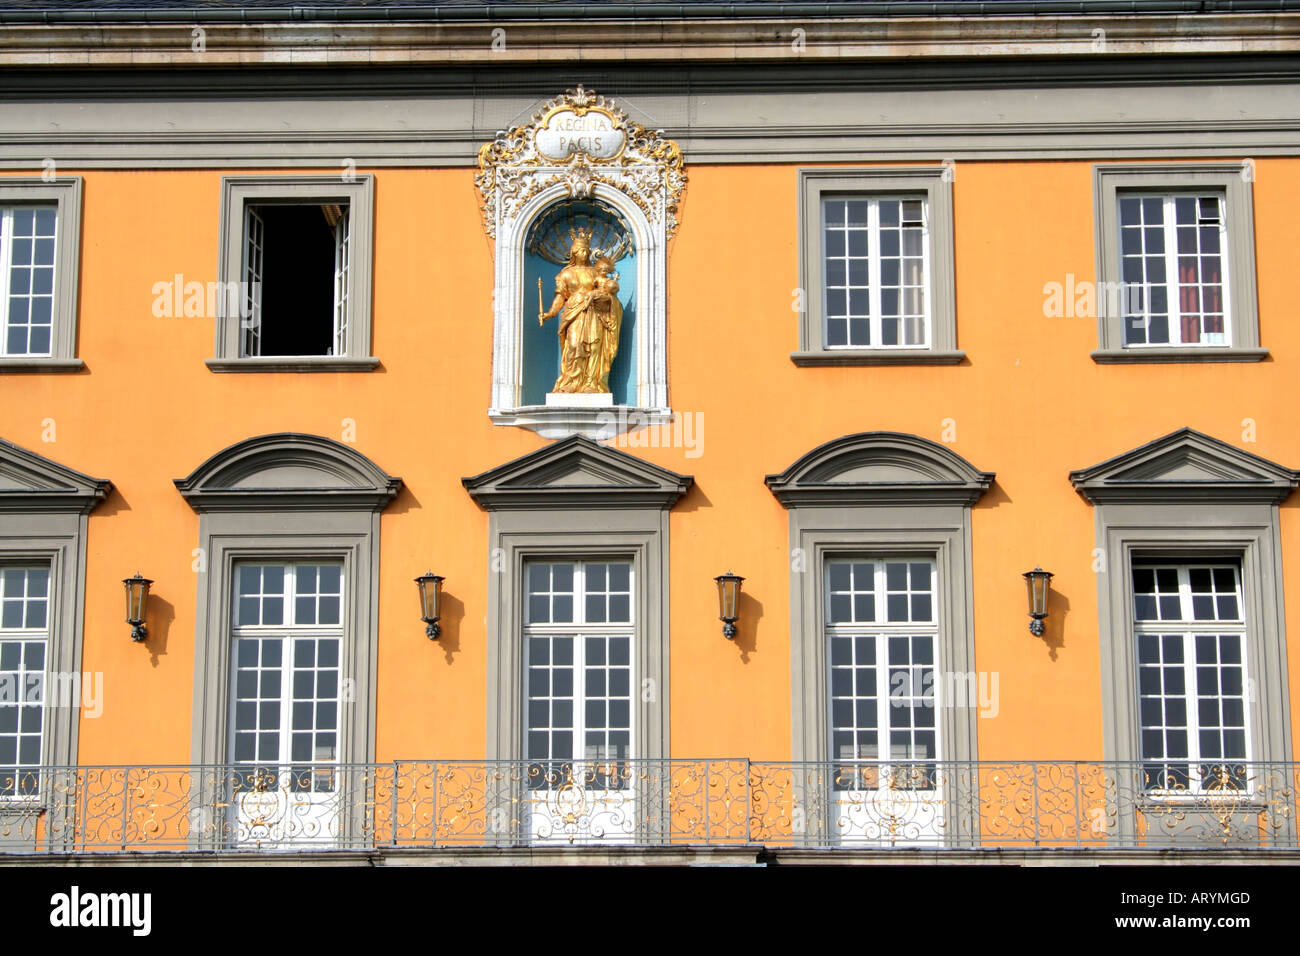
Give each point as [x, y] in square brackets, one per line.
[454, 803]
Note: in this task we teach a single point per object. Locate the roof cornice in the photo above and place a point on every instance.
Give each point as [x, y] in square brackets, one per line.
[560, 34]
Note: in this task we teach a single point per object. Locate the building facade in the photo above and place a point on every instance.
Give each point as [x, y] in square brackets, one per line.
[878, 307]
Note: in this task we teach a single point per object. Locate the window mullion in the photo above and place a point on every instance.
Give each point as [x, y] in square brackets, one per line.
[287, 650]
[1225, 278]
[1173, 294]
[927, 285]
[1185, 610]
[874, 251]
[1193, 704]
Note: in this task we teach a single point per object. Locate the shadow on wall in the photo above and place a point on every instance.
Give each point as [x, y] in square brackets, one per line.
[159, 616]
[750, 611]
[1058, 608]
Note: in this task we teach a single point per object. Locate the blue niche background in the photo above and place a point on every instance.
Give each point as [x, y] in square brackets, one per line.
[541, 345]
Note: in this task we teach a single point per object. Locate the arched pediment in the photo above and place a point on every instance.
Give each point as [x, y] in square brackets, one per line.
[1182, 467]
[577, 473]
[33, 483]
[880, 468]
[288, 471]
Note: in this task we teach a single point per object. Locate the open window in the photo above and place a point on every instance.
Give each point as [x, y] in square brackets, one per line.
[295, 260]
[296, 280]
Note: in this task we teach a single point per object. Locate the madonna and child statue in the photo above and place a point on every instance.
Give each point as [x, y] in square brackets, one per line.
[590, 317]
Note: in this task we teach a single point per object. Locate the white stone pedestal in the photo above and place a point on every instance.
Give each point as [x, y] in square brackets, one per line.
[580, 400]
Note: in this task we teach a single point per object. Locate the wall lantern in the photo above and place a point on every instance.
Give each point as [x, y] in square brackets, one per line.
[1038, 583]
[137, 599]
[430, 594]
[728, 599]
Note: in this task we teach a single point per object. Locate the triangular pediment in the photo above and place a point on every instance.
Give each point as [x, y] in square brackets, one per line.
[880, 468]
[1183, 466]
[33, 483]
[287, 471]
[580, 473]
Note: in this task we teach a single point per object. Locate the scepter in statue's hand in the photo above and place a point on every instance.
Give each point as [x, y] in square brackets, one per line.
[541, 319]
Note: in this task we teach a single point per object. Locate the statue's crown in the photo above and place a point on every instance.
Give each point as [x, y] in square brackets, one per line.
[582, 233]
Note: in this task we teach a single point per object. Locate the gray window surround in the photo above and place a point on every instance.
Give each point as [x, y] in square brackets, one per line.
[1110, 180]
[1188, 496]
[45, 509]
[64, 193]
[358, 192]
[286, 496]
[878, 494]
[576, 498]
[933, 181]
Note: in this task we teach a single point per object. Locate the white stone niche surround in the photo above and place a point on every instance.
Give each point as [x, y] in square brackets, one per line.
[643, 184]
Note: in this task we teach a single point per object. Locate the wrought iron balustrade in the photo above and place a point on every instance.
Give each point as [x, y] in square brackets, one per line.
[455, 803]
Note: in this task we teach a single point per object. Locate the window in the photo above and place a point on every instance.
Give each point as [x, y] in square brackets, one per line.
[882, 523]
[1173, 251]
[578, 637]
[40, 231]
[881, 633]
[582, 606]
[286, 631]
[1191, 641]
[874, 272]
[24, 640]
[295, 253]
[42, 592]
[877, 267]
[286, 639]
[1192, 618]
[1176, 264]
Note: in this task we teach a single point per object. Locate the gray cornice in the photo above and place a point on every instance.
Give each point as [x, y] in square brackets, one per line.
[322, 475]
[1185, 467]
[481, 77]
[578, 473]
[879, 468]
[617, 32]
[310, 118]
[31, 483]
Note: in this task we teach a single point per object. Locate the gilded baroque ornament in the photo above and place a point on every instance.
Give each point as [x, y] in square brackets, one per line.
[580, 163]
[581, 140]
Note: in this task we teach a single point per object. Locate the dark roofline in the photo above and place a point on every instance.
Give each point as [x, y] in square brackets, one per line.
[275, 11]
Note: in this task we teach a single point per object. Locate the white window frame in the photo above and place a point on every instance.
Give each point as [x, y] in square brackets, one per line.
[7, 212]
[23, 636]
[875, 262]
[64, 196]
[887, 789]
[613, 818]
[294, 816]
[580, 629]
[1187, 628]
[286, 632]
[880, 631]
[1172, 285]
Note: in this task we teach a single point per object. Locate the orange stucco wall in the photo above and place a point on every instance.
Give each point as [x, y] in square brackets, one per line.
[1030, 405]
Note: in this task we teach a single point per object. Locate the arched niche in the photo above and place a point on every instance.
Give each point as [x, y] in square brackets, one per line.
[540, 352]
[637, 176]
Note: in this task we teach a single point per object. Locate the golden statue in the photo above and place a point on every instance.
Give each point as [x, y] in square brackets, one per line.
[586, 299]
